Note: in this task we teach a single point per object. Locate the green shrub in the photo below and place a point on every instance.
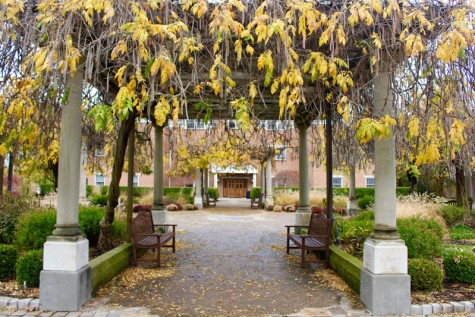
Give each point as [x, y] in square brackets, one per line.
[12, 208]
[423, 237]
[294, 189]
[255, 192]
[365, 215]
[462, 232]
[89, 218]
[213, 192]
[28, 268]
[354, 232]
[459, 265]
[46, 189]
[364, 191]
[452, 214]
[343, 191]
[425, 275]
[99, 200]
[33, 228]
[8, 256]
[119, 229]
[402, 191]
[365, 202]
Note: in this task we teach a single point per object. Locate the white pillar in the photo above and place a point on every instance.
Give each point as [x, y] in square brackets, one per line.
[159, 212]
[302, 216]
[198, 194]
[82, 173]
[385, 285]
[65, 282]
[215, 180]
[263, 179]
[269, 196]
[254, 180]
[205, 183]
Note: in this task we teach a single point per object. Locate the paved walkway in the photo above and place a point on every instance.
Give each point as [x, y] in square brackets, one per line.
[230, 261]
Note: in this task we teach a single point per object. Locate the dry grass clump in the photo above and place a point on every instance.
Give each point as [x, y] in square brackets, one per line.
[418, 206]
[286, 197]
[317, 198]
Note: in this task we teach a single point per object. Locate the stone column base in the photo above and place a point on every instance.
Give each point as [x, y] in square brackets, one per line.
[269, 200]
[352, 207]
[63, 290]
[199, 202]
[385, 256]
[159, 217]
[386, 294]
[63, 255]
[302, 217]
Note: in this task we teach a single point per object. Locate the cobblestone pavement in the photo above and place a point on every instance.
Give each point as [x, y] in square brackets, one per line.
[243, 271]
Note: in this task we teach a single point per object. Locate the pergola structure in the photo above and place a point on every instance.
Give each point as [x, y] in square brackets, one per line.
[385, 284]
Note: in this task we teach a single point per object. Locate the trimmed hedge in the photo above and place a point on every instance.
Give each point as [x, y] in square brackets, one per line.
[459, 265]
[423, 237]
[213, 192]
[367, 191]
[33, 228]
[425, 275]
[142, 191]
[452, 214]
[47, 188]
[255, 192]
[365, 202]
[89, 219]
[28, 268]
[8, 257]
[294, 189]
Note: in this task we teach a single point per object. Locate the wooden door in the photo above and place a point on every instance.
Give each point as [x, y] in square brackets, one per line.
[235, 188]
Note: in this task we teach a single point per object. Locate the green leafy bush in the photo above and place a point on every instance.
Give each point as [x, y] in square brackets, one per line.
[365, 215]
[459, 265]
[255, 192]
[213, 192]
[89, 219]
[354, 232]
[33, 228]
[425, 275]
[119, 229]
[99, 200]
[8, 256]
[423, 237]
[462, 232]
[452, 214]
[28, 268]
[46, 188]
[11, 208]
[365, 202]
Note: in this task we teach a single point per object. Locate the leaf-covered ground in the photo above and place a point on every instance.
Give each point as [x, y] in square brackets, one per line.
[227, 263]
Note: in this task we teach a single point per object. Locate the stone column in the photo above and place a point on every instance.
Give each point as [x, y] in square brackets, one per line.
[198, 193]
[263, 179]
[215, 180]
[82, 173]
[65, 282]
[302, 216]
[205, 183]
[269, 197]
[159, 212]
[385, 284]
[352, 203]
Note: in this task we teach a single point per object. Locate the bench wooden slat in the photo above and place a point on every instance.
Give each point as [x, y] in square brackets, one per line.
[145, 237]
[317, 239]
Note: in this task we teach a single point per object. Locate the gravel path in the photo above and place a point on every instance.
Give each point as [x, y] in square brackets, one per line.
[230, 261]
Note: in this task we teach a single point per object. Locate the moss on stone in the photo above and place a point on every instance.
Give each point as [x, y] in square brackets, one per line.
[346, 266]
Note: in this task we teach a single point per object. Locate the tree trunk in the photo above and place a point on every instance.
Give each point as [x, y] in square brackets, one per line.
[461, 194]
[130, 181]
[2, 167]
[10, 173]
[105, 236]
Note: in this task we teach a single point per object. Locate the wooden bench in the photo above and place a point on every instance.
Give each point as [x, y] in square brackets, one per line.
[257, 202]
[318, 238]
[210, 202]
[145, 237]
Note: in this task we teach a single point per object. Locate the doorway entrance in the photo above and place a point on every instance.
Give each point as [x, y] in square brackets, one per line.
[235, 188]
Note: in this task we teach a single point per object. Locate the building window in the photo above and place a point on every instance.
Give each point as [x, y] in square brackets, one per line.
[232, 124]
[369, 181]
[136, 180]
[276, 124]
[100, 179]
[191, 124]
[99, 152]
[337, 181]
[281, 153]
